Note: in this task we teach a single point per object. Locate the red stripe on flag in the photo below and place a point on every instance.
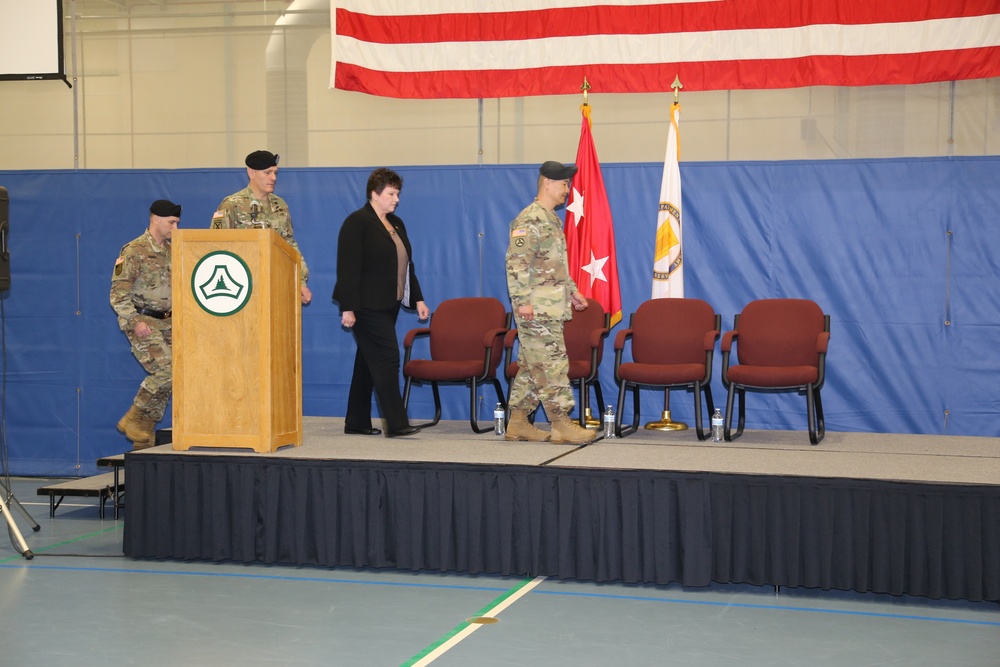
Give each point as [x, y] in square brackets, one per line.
[646, 19]
[697, 76]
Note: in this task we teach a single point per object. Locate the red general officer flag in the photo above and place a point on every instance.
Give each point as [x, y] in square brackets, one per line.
[590, 234]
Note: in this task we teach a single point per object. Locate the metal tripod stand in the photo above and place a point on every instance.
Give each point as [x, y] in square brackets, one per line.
[6, 498]
[6, 495]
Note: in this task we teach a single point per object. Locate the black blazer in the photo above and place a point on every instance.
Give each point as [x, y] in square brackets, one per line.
[367, 263]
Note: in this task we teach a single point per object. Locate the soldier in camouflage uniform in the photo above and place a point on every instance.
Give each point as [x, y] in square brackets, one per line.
[542, 296]
[140, 294]
[258, 207]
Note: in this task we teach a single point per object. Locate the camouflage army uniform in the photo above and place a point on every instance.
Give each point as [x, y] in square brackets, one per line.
[243, 211]
[142, 280]
[538, 275]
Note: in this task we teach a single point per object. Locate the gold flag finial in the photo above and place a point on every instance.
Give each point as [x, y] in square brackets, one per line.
[585, 87]
[676, 85]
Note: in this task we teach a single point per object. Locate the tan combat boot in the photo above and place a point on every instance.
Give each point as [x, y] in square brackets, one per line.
[519, 428]
[135, 429]
[566, 430]
[149, 427]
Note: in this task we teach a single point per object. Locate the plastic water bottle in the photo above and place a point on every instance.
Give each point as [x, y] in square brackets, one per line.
[717, 425]
[609, 423]
[498, 419]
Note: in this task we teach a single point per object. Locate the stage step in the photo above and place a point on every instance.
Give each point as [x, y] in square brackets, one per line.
[106, 486]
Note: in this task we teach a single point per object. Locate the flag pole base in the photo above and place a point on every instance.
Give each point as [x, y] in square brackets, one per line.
[589, 421]
[665, 423]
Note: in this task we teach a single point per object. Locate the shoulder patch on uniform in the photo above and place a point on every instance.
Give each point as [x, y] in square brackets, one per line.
[520, 231]
[218, 214]
[119, 262]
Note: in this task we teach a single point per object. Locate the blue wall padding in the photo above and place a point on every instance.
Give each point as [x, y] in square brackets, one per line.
[903, 254]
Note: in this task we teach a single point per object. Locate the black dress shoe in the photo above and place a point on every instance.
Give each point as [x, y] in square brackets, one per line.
[362, 431]
[406, 430]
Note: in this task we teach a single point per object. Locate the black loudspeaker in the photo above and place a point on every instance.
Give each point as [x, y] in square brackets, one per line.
[4, 248]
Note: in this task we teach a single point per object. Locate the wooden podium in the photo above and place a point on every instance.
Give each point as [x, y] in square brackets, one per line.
[237, 340]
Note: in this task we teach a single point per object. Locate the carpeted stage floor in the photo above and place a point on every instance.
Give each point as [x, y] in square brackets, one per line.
[898, 514]
[872, 456]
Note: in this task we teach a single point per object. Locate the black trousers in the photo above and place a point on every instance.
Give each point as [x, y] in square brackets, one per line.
[376, 368]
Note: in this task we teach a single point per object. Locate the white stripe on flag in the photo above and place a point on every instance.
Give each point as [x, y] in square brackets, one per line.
[707, 46]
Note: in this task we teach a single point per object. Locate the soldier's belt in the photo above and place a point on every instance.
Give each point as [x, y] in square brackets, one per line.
[158, 314]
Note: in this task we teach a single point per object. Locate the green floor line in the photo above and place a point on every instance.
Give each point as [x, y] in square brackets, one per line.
[462, 626]
[59, 544]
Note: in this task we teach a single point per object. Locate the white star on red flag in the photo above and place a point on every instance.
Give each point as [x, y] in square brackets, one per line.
[576, 207]
[595, 268]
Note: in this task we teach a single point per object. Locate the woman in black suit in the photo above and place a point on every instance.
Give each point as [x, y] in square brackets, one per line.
[375, 276]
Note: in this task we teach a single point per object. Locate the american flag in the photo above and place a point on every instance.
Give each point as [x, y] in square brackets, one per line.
[516, 48]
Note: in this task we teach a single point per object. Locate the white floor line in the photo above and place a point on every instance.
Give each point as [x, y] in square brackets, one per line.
[472, 627]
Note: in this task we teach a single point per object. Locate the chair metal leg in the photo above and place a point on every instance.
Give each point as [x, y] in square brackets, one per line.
[406, 392]
[584, 394]
[698, 424]
[620, 431]
[500, 395]
[636, 416]
[742, 412]
[709, 404]
[596, 384]
[472, 409]
[473, 394]
[502, 399]
[728, 422]
[814, 414]
[437, 404]
[821, 422]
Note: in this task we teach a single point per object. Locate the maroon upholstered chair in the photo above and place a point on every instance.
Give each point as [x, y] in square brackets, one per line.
[781, 346]
[466, 346]
[584, 336]
[673, 342]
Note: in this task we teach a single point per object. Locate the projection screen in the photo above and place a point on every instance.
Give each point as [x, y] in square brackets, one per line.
[31, 40]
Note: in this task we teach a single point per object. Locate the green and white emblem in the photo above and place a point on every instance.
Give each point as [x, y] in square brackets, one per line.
[221, 283]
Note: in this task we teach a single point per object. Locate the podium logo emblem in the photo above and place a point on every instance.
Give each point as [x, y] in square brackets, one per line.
[221, 283]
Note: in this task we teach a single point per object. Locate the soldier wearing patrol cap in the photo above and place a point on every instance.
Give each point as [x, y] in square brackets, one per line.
[543, 296]
[140, 295]
[257, 206]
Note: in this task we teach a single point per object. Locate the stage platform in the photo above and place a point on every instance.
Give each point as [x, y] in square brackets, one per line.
[898, 514]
